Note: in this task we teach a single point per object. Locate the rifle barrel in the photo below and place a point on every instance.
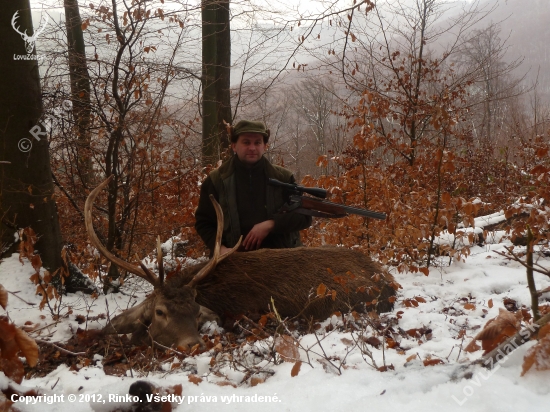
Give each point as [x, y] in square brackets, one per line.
[336, 208]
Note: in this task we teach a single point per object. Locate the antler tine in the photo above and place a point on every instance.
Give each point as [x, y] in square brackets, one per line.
[231, 251]
[216, 256]
[160, 262]
[148, 276]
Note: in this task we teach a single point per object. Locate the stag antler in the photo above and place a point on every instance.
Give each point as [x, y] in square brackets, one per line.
[147, 275]
[216, 258]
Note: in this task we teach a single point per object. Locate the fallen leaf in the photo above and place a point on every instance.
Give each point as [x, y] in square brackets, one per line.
[3, 297]
[194, 379]
[496, 330]
[296, 369]
[538, 355]
[286, 347]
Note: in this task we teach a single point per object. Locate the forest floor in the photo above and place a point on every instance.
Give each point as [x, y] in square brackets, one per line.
[407, 360]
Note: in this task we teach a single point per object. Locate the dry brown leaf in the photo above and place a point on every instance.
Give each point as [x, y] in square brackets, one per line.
[226, 383]
[373, 341]
[27, 346]
[495, 327]
[538, 356]
[472, 347]
[469, 306]
[12, 368]
[296, 369]
[194, 379]
[432, 362]
[175, 389]
[496, 330]
[545, 330]
[321, 290]
[3, 297]
[347, 342]
[36, 262]
[255, 380]
[286, 347]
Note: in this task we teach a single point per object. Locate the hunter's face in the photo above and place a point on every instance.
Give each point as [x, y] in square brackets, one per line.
[249, 147]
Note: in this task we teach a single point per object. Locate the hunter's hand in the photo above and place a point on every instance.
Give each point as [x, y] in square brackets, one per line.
[224, 250]
[257, 234]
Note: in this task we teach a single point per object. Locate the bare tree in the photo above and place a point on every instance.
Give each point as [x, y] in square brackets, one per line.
[26, 189]
[493, 85]
[216, 63]
[80, 88]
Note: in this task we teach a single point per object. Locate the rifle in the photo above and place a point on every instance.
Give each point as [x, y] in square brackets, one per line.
[313, 206]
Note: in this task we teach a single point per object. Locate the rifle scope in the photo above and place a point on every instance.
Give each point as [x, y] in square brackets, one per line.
[314, 191]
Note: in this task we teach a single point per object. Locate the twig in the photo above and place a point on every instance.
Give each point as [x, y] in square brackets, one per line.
[55, 384]
[326, 356]
[118, 336]
[44, 327]
[167, 348]
[68, 352]
[460, 350]
[28, 303]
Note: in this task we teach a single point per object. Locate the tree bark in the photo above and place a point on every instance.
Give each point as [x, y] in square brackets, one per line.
[26, 187]
[80, 88]
[216, 65]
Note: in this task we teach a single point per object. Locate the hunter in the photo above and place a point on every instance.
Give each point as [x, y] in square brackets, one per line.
[249, 204]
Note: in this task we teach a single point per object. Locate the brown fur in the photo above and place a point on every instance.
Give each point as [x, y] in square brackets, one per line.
[245, 282]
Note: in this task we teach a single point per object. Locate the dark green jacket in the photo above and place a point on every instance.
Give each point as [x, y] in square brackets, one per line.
[223, 184]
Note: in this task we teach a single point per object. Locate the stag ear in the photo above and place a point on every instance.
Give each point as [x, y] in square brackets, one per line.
[207, 315]
[132, 319]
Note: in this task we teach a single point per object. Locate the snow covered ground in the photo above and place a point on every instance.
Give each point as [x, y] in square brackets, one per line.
[451, 298]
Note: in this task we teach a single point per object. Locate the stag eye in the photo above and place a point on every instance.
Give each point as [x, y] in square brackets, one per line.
[159, 312]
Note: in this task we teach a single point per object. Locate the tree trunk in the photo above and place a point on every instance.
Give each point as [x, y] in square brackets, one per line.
[216, 65]
[80, 88]
[26, 188]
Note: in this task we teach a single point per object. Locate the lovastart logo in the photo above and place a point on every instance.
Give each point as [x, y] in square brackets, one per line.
[29, 40]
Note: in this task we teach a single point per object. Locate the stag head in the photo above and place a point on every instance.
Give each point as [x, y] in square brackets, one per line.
[170, 316]
[29, 40]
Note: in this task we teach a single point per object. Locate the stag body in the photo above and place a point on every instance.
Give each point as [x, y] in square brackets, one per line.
[246, 282]
[238, 283]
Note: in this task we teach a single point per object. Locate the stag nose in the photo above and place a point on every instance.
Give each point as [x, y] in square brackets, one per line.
[189, 344]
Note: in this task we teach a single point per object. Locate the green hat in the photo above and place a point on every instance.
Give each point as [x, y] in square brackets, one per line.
[248, 126]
